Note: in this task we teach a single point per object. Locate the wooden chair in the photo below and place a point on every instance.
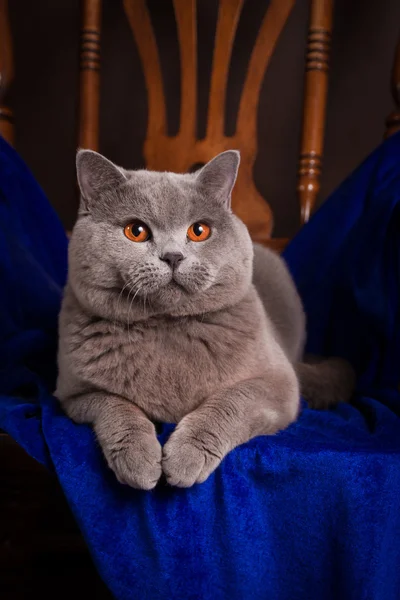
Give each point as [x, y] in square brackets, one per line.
[180, 152]
[183, 150]
[35, 523]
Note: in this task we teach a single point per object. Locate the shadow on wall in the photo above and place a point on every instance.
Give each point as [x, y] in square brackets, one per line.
[46, 48]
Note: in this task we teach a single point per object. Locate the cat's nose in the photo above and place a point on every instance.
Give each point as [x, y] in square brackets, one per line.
[172, 258]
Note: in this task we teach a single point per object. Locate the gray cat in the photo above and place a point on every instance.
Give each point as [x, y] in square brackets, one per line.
[171, 314]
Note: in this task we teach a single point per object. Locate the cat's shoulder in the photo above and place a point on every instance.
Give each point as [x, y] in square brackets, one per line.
[78, 324]
[71, 311]
[244, 316]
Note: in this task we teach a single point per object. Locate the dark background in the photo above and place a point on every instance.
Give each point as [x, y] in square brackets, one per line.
[45, 91]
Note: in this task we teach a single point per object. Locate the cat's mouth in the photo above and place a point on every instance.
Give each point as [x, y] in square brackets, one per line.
[174, 286]
[174, 282]
[170, 286]
[177, 290]
[171, 293]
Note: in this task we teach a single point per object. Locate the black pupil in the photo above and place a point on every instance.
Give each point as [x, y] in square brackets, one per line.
[137, 229]
[198, 229]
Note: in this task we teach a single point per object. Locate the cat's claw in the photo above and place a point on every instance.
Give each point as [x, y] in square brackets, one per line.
[137, 464]
[185, 462]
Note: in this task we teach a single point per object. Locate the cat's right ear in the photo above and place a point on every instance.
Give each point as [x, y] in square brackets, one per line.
[95, 173]
[218, 176]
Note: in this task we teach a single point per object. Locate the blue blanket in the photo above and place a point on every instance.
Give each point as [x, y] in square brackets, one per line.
[311, 513]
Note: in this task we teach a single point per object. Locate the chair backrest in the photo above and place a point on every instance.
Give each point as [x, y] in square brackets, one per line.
[181, 151]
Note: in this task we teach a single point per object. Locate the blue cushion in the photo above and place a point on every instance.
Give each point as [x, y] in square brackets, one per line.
[311, 513]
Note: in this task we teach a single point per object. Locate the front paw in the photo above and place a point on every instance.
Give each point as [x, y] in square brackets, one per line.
[187, 459]
[136, 462]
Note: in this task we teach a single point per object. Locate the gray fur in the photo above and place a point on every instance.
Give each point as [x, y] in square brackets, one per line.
[325, 383]
[142, 342]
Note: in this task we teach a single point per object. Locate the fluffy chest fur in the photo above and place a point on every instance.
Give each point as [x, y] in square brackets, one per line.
[165, 366]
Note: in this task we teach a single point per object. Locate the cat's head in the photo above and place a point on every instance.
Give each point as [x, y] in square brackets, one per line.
[163, 242]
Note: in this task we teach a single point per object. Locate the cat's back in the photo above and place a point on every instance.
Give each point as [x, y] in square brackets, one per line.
[280, 299]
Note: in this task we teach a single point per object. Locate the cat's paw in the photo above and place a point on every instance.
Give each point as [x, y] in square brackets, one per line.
[137, 463]
[186, 460]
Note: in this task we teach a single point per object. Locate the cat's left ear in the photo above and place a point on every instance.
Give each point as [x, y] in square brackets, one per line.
[218, 176]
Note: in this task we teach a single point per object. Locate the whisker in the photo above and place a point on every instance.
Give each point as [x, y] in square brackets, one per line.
[116, 306]
[129, 312]
[144, 305]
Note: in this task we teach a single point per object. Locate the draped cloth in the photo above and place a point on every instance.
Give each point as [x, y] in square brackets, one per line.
[310, 513]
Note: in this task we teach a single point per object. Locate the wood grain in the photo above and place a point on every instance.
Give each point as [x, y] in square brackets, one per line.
[180, 152]
[393, 120]
[315, 98]
[140, 23]
[90, 75]
[250, 206]
[228, 19]
[185, 13]
[6, 74]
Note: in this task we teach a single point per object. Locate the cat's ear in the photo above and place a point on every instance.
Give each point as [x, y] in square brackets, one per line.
[218, 176]
[95, 173]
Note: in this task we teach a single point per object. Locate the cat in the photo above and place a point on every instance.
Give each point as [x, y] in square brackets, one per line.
[171, 314]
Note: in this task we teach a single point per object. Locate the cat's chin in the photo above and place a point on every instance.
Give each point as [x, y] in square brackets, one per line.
[171, 294]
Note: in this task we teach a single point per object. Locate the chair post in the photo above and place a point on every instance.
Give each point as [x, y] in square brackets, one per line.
[90, 75]
[315, 98]
[6, 74]
[393, 120]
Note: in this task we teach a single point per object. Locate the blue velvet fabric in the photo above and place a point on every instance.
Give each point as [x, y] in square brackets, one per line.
[311, 513]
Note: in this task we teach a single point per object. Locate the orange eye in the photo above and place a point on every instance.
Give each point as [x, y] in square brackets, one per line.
[137, 232]
[198, 232]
